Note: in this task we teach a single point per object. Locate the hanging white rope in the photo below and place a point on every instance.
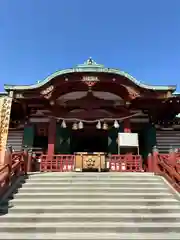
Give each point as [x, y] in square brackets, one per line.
[95, 120]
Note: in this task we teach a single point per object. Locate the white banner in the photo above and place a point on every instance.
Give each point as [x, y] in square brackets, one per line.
[128, 140]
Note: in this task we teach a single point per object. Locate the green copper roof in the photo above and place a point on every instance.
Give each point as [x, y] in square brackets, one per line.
[176, 94]
[3, 94]
[90, 66]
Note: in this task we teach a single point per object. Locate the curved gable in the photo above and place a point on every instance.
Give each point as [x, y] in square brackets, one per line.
[89, 66]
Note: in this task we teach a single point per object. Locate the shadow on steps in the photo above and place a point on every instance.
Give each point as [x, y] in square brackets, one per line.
[9, 195]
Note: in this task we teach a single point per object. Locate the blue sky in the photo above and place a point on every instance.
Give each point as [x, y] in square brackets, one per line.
[141, 37]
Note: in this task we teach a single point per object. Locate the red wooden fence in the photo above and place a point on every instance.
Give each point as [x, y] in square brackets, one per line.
[125, 163]
[57, 163]
[66, 163]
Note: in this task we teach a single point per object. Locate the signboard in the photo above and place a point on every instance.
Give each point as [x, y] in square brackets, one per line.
[5, 111]
[90, 81]
[128, 140]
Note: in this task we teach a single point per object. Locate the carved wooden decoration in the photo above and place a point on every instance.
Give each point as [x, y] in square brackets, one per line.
[92, 161]
[47, 93]
[132, 92]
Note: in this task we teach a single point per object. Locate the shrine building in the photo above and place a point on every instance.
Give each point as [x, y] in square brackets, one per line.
[84, 109]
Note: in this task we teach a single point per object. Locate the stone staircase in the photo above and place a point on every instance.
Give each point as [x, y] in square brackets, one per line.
[91, 206]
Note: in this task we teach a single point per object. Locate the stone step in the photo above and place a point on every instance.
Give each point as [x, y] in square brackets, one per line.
[39, 209]
[87, 174]
[93, 236]
[79, 181]
[87, 202]
[99, 194]
[89, 227]
[91, 177]
[91, 195]
[86, 184]
[54, 190]
[93, 180]
[96, 217]
[97, 177]
[58, 194]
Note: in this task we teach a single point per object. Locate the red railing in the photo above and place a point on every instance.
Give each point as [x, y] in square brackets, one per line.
[125, 163]
[14, 168]
[66, 163]
[57, 163]
[169, 168]
[167, 165]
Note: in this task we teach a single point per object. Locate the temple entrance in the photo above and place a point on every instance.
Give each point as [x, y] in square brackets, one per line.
[89, 140]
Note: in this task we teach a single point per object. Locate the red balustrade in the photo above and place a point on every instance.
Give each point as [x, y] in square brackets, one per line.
[66, 163]
[15, 167]
[167, 165]
[125, 163]
[57, 163]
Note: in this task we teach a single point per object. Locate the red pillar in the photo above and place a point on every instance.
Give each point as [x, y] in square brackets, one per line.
[127, 125]
[51, 136]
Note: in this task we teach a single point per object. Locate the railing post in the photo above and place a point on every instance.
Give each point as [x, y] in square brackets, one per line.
[8, 161]
[29, 160]
[25, 159]
[8, 156]
[150, 163]
[172, 157]
[34, 161]
[155, 160]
